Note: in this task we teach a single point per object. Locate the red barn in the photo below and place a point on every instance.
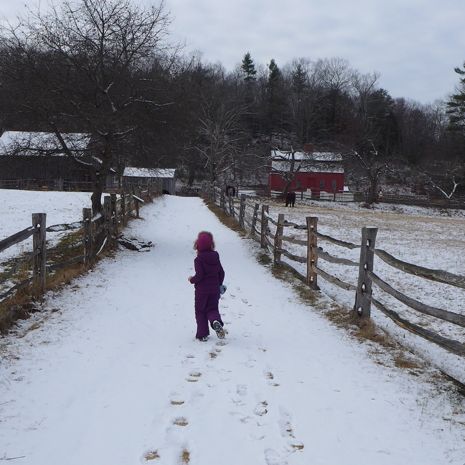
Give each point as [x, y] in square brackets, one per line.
[301, 171]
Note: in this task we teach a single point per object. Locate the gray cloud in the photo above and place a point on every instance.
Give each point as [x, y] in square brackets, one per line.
[414, 44]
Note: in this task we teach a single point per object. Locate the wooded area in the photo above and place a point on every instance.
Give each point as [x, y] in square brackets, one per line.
[146, 104]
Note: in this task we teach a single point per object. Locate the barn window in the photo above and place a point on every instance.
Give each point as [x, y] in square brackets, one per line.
[333, 185]
[322, 184]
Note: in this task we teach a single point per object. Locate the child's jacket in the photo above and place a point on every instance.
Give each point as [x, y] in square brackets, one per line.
[209, 273]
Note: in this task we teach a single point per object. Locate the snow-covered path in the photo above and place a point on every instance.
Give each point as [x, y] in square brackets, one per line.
[113, 375]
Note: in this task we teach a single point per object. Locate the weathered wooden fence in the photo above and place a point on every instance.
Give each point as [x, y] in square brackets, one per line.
[246, 210]
[99, 232]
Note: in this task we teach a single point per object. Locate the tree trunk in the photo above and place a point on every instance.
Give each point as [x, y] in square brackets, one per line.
[96, 197]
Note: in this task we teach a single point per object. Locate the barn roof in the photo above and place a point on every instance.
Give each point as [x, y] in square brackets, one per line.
[24, 143]
[307, 156]
[307, 162]
[133, 172]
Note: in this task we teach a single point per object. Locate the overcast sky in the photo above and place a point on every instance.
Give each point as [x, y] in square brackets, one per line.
[413, 44]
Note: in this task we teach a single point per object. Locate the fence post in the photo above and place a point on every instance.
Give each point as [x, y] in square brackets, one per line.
[312, 251]
[136, 204]
[278, 238]
[123, 209]
[114, 214]
[39, 221]
[231, 206]
[242, 211]
[88, 239]
[254, 219]
[264, 226]
[222, 201]
[107, 217]
[362, 305]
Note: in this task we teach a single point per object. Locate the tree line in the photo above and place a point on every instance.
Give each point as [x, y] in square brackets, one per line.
[107, 68]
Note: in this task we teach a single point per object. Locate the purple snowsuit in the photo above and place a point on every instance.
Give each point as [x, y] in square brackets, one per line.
[209, 276]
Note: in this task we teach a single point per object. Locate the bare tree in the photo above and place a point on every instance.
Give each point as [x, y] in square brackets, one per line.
[219, 138]
[85, 63]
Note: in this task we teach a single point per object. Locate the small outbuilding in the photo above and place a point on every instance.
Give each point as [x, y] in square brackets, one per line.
[306, 170]
[146, 176]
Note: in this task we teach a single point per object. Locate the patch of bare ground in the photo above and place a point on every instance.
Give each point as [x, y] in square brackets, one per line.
[151, 455]
[185, 456]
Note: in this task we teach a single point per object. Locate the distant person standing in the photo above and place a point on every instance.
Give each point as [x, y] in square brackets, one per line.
[208, 281]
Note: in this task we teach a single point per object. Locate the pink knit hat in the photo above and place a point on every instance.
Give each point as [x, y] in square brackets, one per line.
[204, 242]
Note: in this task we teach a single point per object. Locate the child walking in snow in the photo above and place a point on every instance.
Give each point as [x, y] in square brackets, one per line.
[209, 276]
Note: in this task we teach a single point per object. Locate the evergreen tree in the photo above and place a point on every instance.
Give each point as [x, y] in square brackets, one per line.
[299, 79]
[456, 105]
[248, 67]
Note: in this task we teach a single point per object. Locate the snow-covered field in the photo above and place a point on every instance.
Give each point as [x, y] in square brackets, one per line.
[110, 372]
[16, 208]
[429, 238]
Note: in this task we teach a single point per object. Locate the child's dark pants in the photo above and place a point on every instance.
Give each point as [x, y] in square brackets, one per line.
[206, 310]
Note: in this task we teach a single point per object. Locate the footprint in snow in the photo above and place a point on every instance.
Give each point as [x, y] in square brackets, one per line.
[151, 455]
[177, 402]
[261, 408]
[180, 421]
[241, 389]
[287, 431]
[274, 458]
[270, 377]
[193, 377]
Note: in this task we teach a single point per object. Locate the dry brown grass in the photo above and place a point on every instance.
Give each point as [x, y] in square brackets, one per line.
[27, 300]
[151, 455]
[363, 330]
[185, 456]
[227, 220]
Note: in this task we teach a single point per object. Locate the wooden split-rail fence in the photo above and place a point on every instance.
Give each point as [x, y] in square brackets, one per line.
[99, 232]
[255, 219]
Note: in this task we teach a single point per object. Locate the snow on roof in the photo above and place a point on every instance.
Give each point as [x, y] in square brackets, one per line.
[307, 167]
[308, 156]
[133, 172]
[35, 143]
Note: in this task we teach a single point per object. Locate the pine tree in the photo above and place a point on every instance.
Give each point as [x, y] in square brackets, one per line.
[299, 79]
[274, 74]
[248, 67]
[276, 95]
[456, 104]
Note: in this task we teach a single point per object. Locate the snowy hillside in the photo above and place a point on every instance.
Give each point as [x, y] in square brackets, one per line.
[110, 372]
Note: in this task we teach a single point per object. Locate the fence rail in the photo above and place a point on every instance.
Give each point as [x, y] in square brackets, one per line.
[259, 230]
[95, 234]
